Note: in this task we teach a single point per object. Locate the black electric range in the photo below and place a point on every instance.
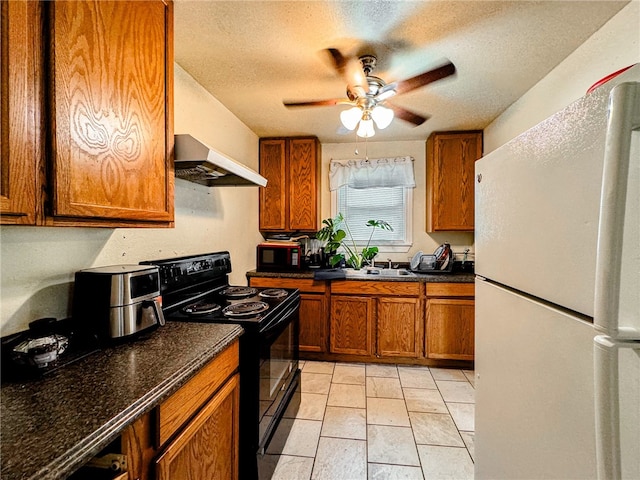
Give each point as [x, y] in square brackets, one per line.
[195, 289]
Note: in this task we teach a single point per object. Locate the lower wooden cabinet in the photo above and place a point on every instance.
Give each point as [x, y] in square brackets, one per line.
[208, 446]
[193, 434]
[399, 327]
[313, 309]
[313, 322]
[376, 319]
[351, 325]
[450, 322]
[383, 321]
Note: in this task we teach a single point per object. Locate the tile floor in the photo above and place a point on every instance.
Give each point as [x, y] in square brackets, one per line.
[372, 421]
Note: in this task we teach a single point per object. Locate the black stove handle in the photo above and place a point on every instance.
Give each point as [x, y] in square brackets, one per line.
[280, 319]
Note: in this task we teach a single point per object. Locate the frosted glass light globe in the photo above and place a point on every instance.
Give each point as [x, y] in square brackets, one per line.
[366, 129]
[351, 117]
[382, 116]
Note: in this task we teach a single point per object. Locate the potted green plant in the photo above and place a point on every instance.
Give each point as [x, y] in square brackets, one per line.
[336, 234]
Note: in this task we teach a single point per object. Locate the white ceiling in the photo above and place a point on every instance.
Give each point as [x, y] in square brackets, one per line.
[251, 55]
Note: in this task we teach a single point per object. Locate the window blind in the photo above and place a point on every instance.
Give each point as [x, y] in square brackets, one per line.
[379, 203]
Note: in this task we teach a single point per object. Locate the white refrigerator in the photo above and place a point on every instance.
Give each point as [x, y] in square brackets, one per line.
[558, 294]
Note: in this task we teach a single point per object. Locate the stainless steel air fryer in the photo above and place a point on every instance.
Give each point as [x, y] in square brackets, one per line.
[119, 301]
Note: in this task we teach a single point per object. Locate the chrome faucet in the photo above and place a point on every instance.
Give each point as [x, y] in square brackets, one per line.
[389, 260]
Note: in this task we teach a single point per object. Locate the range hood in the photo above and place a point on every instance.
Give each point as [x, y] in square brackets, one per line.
[199, 163]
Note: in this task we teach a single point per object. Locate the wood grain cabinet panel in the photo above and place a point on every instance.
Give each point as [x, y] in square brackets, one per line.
[393, 312]
[351, 325]
[207, 448]
[99, 154]
[21, 107]
[313, 323]
[451, 160]
[176, 410]
[399, 329]
[111, 93]
[450, 329]
[273, 197]
[303, 184]
[290, 201]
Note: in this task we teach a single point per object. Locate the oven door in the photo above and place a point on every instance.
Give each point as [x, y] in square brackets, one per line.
[279, 382]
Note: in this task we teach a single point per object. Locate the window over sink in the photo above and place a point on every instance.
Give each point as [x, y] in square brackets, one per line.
[380, 189]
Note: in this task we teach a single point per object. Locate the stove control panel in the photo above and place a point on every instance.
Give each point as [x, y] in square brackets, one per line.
[183, 271]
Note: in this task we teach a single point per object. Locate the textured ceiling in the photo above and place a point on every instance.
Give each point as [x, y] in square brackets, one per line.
[252, 55]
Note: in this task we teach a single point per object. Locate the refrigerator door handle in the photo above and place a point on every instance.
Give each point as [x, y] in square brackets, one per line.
[605, 355]
[624, 118]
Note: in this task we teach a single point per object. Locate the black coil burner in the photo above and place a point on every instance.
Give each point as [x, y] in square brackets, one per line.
[201, 308]
[273, 293]
[239, 292]
[245, 309]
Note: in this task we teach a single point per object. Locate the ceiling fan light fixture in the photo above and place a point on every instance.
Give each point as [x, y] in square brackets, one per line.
[382, 116]
[351, 117]
[366, 129]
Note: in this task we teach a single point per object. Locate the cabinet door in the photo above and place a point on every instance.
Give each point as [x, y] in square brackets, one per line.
[313, 323]
[207, 448]
[450, 328]
[273, 198]
[20, 82]
[303, 184]
[451, 158]
[399, 327]
[351, 325]
[111, 97]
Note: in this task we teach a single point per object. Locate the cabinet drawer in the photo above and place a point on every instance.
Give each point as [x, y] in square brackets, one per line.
[405, 289]
[451, 289]
[184, 403]
[305, 285]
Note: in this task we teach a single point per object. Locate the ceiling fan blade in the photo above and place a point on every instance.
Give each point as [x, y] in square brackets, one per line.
[350, 69]
[425, 78]
[408, 116]
[317, 103]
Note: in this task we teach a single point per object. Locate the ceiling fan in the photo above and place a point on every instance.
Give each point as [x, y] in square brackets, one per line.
[367, 93]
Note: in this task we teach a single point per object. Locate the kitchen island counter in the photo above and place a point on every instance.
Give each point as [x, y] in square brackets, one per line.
[51, 426]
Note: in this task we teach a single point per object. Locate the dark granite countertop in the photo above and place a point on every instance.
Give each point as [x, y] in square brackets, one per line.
[53, 425]
[454, 277]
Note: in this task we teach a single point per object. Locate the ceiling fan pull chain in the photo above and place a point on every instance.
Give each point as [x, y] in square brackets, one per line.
[366, 154]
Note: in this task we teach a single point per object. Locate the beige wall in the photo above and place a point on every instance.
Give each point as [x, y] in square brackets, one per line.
[37, 263]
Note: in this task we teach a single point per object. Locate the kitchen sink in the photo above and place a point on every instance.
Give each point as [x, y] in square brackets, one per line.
[378, 272]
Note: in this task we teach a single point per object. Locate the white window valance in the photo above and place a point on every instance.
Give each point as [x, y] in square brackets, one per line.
[374, 172]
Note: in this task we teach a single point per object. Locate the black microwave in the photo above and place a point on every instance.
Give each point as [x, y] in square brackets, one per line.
[279, 257]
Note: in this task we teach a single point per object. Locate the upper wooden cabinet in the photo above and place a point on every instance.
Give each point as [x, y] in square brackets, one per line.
[103, 99]
[20, 82]
[111, 88]
[290, 201]
[450, 180]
